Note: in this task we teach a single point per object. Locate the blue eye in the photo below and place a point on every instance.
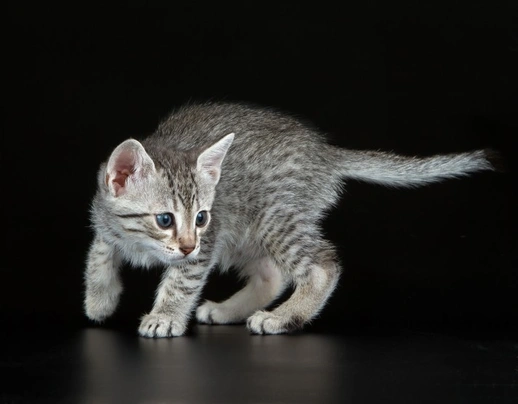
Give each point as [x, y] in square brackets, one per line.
[202, 218]
[165, 220]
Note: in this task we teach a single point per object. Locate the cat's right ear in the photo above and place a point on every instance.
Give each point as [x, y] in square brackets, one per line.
[209, 162]
[129, 159]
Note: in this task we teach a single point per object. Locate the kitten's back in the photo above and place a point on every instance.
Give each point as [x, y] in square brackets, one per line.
[272, 153]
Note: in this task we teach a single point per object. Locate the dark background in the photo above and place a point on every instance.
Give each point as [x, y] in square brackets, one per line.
[417, 78]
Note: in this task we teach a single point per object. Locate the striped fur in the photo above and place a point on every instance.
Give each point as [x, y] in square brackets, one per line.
[265, 180]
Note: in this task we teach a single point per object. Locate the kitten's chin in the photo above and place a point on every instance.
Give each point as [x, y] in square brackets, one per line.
[177, 259]
[145, 256]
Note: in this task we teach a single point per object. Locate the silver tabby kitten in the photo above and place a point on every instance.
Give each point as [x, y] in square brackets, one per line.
[229, 185]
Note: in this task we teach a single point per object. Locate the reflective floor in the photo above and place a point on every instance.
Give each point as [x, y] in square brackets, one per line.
[224, 364]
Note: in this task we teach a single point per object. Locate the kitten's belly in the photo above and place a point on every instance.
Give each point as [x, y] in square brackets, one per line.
[238, 251]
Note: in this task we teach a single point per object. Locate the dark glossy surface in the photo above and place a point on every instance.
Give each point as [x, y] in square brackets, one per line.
[224, 364]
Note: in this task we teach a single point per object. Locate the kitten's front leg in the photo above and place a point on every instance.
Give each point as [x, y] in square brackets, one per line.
[177, 294]
[102, 281]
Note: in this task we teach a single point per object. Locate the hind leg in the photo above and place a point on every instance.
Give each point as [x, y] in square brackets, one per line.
[265, 283]
[314, 272]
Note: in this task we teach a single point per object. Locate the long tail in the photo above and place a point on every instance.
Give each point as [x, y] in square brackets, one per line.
[400, 171]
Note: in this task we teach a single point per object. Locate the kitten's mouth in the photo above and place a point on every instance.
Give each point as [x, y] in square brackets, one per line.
[177, 257]
[192, 255]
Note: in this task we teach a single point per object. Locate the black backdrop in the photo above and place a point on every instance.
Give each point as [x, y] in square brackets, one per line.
[416, 78]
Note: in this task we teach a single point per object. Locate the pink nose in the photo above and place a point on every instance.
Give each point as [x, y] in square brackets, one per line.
[187, 249]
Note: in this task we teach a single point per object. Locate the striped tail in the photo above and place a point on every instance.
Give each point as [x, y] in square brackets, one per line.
[400, 171]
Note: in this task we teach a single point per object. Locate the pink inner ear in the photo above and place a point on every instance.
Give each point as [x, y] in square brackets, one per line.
[119, 181]
[124, 167]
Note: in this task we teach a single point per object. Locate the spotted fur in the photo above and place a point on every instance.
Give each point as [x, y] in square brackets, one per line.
[265, 180]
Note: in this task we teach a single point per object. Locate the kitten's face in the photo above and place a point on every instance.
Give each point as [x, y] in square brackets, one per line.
[157, 212]
[164, 217]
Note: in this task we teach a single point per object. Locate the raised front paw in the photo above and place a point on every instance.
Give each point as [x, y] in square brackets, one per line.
[264, 322]
[101, 304]
[160, 326]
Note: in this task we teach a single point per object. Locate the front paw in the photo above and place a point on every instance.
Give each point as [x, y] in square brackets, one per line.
[264, 322]
[160, 326]
[100, 305]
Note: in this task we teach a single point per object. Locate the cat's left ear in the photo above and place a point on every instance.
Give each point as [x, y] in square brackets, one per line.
[209, 161]
[129, 159]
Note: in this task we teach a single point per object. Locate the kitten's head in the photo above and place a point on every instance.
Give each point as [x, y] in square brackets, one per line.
[156, 211]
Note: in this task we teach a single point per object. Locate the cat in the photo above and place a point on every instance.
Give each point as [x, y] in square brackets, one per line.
[231, 185]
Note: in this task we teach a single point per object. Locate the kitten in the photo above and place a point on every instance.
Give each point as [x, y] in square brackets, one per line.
[228, 185]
